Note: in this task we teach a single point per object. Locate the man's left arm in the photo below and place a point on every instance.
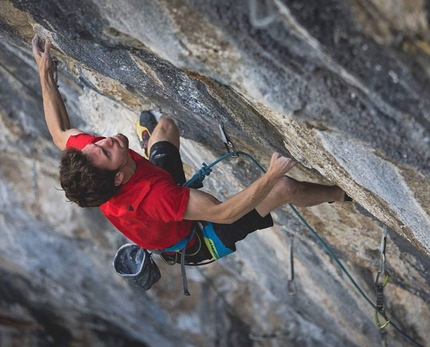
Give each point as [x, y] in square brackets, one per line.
[203, 206]
[56, 115]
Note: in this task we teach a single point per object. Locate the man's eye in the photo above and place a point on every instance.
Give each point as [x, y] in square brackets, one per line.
[105, 152]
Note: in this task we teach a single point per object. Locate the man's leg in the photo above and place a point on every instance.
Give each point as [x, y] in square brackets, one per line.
[166, 130]
[169, 160]
[301, 194]
[163, 149]
[287, 190]
[230, 234]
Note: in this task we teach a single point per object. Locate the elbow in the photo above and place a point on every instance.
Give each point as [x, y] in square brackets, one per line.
[231, 218]
[224, 216]
[60, 138]
[59, 144]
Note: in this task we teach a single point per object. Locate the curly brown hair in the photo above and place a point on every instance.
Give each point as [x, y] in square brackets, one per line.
[84, 183]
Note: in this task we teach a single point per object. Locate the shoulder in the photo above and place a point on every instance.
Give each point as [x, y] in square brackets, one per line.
[60, 138]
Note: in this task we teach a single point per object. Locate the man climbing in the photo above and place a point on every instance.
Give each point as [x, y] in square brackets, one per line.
[145, 199]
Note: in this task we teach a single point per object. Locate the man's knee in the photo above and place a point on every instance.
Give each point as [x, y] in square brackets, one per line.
[166, 130]
[167, 124]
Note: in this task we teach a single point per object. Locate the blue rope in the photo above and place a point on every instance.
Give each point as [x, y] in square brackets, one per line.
[207, 169]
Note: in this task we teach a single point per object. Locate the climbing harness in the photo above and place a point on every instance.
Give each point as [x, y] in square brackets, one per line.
[215, 246]
[291, 285]
[184, 273]
[381, 282]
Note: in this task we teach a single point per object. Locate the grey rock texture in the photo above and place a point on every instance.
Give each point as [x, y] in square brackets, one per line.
[342, 87]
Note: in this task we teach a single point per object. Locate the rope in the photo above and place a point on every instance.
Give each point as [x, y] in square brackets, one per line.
[206, 170]
[337, 261]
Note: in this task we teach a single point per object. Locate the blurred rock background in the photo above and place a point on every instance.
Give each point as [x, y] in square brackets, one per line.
[341, 86]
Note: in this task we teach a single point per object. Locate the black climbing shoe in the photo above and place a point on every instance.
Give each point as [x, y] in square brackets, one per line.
[347, 198]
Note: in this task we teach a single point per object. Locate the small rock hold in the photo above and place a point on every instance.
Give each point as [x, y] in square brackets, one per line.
[393, 76]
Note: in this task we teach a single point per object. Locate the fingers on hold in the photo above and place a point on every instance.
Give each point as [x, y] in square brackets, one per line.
[35, 44]
[36, 51]
[47, 46]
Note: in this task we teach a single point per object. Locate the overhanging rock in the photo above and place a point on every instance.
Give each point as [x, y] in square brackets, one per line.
[341, 87]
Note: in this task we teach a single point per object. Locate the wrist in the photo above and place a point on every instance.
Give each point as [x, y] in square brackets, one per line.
[271, 176]
[46, 78]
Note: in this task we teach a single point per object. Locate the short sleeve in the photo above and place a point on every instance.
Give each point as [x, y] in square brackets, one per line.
[79, 141]
[165, 201]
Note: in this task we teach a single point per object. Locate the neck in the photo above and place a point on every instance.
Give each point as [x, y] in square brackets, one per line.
[129, 169]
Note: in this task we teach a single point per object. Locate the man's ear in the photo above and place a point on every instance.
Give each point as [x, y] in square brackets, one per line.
[119, 177]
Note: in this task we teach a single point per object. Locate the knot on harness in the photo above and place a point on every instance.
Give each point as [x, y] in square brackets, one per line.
[199, 176]
[204, 171]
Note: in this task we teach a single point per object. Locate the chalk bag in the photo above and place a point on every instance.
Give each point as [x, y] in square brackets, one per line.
[136, 265]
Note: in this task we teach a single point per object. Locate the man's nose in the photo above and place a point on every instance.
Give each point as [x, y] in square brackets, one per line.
[109, 141]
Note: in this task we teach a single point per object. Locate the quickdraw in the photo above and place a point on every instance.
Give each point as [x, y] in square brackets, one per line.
[381, 282]
[229, 145]
[291, 285]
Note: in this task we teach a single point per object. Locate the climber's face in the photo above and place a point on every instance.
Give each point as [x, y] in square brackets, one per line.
[110, 153]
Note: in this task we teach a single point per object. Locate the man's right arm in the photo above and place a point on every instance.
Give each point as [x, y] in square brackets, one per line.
[56, 115]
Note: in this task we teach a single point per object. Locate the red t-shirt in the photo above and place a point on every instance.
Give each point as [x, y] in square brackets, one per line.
[149, 208]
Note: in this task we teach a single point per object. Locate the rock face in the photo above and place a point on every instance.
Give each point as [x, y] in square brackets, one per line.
[343, 87]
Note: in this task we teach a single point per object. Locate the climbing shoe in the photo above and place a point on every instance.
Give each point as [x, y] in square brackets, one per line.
[347, 198]
[144, 128]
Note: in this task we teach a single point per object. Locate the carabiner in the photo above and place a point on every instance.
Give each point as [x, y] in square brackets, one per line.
[378, 324]
[291, 287]
[230, 147]
[382, 248]
[380, 299]
[386, 279]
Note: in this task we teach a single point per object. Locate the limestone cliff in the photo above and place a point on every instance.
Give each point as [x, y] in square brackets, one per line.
[341, 86]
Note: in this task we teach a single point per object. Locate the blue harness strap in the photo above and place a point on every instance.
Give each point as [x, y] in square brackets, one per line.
[213, 243]
[215, 246]
[181, 244]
